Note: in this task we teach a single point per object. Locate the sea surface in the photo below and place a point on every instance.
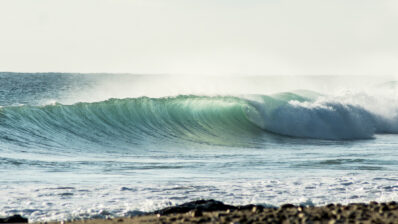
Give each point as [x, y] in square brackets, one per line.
[105, 145]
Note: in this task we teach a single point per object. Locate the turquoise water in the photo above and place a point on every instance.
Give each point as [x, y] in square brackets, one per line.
[83, 146]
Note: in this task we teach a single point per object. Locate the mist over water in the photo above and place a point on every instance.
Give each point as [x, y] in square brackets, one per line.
[127, 86]
[96, 145]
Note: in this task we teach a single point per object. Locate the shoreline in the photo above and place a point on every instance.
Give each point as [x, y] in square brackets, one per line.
[211, 211]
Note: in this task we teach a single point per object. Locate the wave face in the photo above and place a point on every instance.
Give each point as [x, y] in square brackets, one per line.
[214, 120]
[219, 120]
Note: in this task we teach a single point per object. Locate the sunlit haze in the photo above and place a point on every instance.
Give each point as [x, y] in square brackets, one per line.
[225, 37]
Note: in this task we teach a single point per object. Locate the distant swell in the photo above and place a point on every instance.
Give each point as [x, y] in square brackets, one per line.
[174, 120]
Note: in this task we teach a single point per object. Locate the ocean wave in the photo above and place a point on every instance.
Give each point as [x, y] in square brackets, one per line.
[212, 120]
[216, 120]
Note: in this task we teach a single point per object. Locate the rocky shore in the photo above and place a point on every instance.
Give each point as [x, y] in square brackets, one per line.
[211, 211]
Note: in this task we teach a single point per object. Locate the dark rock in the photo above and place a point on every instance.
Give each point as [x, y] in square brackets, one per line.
[383, 208]
[316, 217]
[202, 205]
[330, 206]
[285, 206]
[338, 211]
[325, 215]
[221, 214]
[246, 207]
[351, 215]
[14, 219]
[243, 220]
[373, 203]
[202, 220]
[196, 213]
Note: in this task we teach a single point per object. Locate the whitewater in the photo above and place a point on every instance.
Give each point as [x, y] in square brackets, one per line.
[78, 146]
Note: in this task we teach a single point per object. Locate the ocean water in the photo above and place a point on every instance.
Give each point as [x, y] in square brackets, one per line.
[104, 145]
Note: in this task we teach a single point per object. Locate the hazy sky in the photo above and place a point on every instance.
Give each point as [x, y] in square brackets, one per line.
[200, 37]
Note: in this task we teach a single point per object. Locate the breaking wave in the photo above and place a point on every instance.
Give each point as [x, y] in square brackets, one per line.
[216, 120]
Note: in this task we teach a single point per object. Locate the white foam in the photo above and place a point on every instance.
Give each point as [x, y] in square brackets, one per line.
[330, 117]
[49, 202]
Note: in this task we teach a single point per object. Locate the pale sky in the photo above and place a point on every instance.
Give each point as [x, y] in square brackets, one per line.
[246, 37]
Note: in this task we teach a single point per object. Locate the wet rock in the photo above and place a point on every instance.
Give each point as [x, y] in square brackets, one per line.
[373, 203]
[330, 206]
[285, 206]
[246, 207]
[383, 208]
[202, 205]
[14, 219]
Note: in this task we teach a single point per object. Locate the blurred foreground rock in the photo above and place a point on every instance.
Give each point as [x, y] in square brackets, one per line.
[14, 219]
[211, 211]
